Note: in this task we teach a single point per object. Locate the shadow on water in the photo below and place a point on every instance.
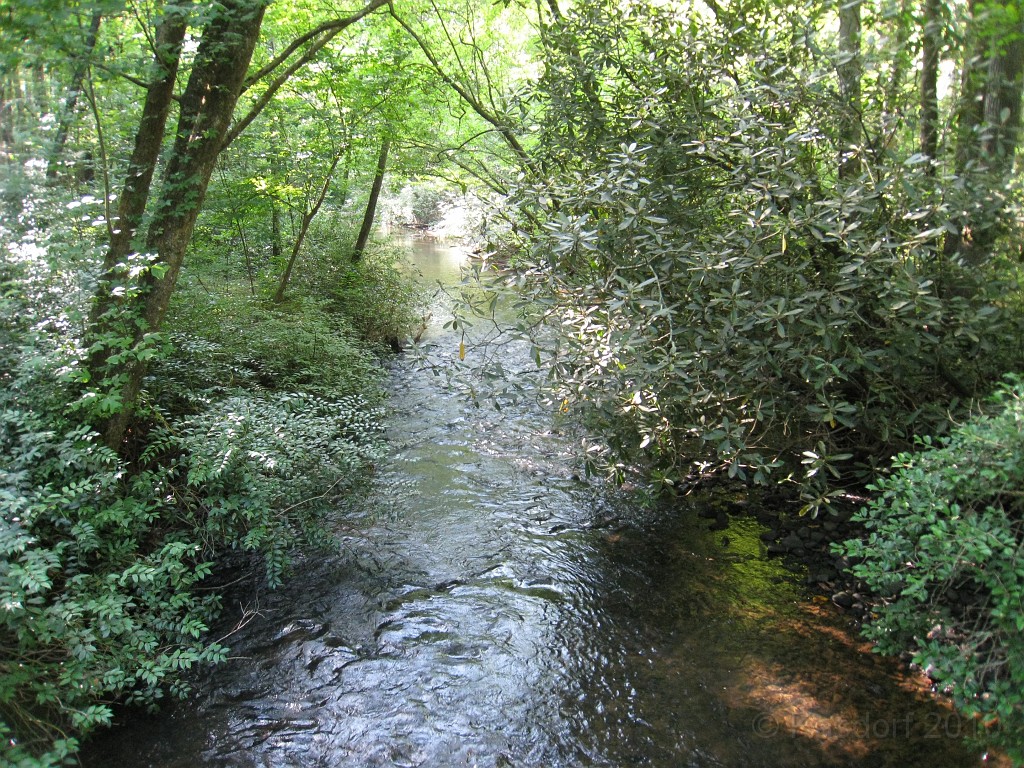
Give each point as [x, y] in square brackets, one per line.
[731, 664]
[487, 608]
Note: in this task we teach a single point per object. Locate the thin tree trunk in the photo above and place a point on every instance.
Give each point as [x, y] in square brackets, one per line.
[206, 109]
[371, 204]
[67, 112]
[929, 80]
[890, 116]
[248, 257]
[345, 175]
[971, 103]
[307, 219]
[503, 128]
[275, 230]
[276, 244]
[6, 122]
[41, 88]
[850, 72]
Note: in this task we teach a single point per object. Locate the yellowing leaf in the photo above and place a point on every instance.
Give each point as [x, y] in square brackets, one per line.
[462, 350]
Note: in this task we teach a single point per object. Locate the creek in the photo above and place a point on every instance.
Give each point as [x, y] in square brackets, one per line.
[487, 607]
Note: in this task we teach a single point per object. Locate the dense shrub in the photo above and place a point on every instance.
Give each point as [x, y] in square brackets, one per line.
[95, 591]
[96, 597]
[725, 300]
[301, 345]
[944, 551]
[100, 559]
[421, 205]
[375, 295]
[254, 421]
[261, 468]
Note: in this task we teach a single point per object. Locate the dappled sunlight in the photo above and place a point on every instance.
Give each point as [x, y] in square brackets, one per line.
[488, 489]
[792, 682]
[487, 603]
[827, 688]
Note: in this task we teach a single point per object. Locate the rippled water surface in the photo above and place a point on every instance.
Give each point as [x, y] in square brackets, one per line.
[488, 608]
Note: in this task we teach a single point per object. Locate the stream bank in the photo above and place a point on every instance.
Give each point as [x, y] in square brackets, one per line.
[485, 607]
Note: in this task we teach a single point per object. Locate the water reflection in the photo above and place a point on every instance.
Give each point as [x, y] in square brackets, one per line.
[437, 261]
[486, 608]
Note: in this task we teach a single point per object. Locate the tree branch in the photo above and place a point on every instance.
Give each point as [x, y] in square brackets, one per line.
[328, 27]
[503, 128]
[326, 32]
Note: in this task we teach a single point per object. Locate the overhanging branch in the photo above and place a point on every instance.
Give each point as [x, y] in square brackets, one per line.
[474, 103]
[317, 39]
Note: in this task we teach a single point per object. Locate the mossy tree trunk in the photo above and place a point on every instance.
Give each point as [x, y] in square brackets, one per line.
[206, 109]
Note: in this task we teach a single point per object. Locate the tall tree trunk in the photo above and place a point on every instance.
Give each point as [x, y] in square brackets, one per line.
[930, 42]
[850, 72]
[149, 138]
[971, 103]
[41, 88]
[150, 135]
[67, 112]
[890, 115]
[6, 121]
[1003, 97]
[989, 117]
[104, 315]
[371, 204]
[206, 108]
[277, 239]
[307, 219]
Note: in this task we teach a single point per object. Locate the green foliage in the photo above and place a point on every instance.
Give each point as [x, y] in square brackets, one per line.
[419, 205]
[724, 301]
[944, 550]
[96, 598]
[257, 419]
[262, 469]
[253, 419]
[375, 295]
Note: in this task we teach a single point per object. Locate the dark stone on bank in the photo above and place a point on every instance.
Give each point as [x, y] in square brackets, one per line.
[843, 600]
[793, 543]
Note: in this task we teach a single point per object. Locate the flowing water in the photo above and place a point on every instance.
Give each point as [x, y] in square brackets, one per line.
[488, 608]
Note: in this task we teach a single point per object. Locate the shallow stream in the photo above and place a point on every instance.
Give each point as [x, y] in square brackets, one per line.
[489, 608]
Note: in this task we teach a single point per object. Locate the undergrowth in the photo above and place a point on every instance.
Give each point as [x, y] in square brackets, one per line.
[255, 420]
